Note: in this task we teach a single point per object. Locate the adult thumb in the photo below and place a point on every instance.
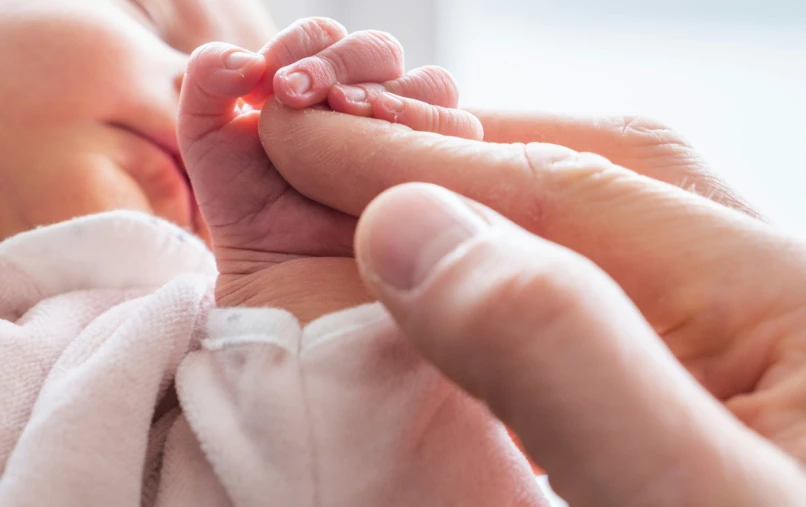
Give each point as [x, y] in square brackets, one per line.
[562, 356]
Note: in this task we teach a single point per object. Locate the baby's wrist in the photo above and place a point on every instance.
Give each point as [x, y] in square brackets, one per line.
[307, 287]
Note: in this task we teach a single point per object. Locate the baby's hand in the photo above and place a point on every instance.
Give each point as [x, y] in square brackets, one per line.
[257, 221]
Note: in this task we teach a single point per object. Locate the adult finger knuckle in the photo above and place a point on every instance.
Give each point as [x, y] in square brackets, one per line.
[649, 138]
[557, 175]
[639, 131]
[556, 169]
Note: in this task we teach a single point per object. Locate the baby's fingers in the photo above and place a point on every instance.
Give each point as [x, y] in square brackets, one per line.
[424, 117]
[217, 75]
[433, 85]
[370, 56]
[422, 100]
[415, 114]
[302, 39]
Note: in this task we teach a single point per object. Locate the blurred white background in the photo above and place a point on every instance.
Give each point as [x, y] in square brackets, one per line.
[731, 76]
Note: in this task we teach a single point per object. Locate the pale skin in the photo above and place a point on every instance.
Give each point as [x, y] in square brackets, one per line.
[100, 81]
[275, 247]
[723, 290]
[91, 125]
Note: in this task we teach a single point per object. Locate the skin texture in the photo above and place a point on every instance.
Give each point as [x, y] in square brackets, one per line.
[95, 85]
[99, 81]
[93, 127]
[273, 245]
[685, 268]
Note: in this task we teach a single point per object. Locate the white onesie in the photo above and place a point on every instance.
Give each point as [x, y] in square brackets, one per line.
[122, 385]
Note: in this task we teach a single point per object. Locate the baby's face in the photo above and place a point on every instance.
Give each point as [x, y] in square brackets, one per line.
[88, 99]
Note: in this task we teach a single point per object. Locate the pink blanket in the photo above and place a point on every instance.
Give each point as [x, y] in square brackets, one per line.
[121, 384]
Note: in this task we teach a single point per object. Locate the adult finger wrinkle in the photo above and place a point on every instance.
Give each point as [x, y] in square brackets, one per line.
[669, 157]
[641, 128]
[562, 180]
[641, 144]
[706, 184]
[646, 140]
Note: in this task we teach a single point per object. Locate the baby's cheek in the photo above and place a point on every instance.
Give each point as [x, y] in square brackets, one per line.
[67, 61]
[47, 194]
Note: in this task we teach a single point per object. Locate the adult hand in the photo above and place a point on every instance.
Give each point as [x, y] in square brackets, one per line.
[570, 360]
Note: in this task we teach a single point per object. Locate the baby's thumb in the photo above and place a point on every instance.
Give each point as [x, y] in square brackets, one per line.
[562, 356]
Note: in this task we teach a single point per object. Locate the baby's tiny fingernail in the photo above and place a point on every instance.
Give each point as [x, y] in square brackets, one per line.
[390, 103]
[354, 93]
[240, 60]
[299, 82]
